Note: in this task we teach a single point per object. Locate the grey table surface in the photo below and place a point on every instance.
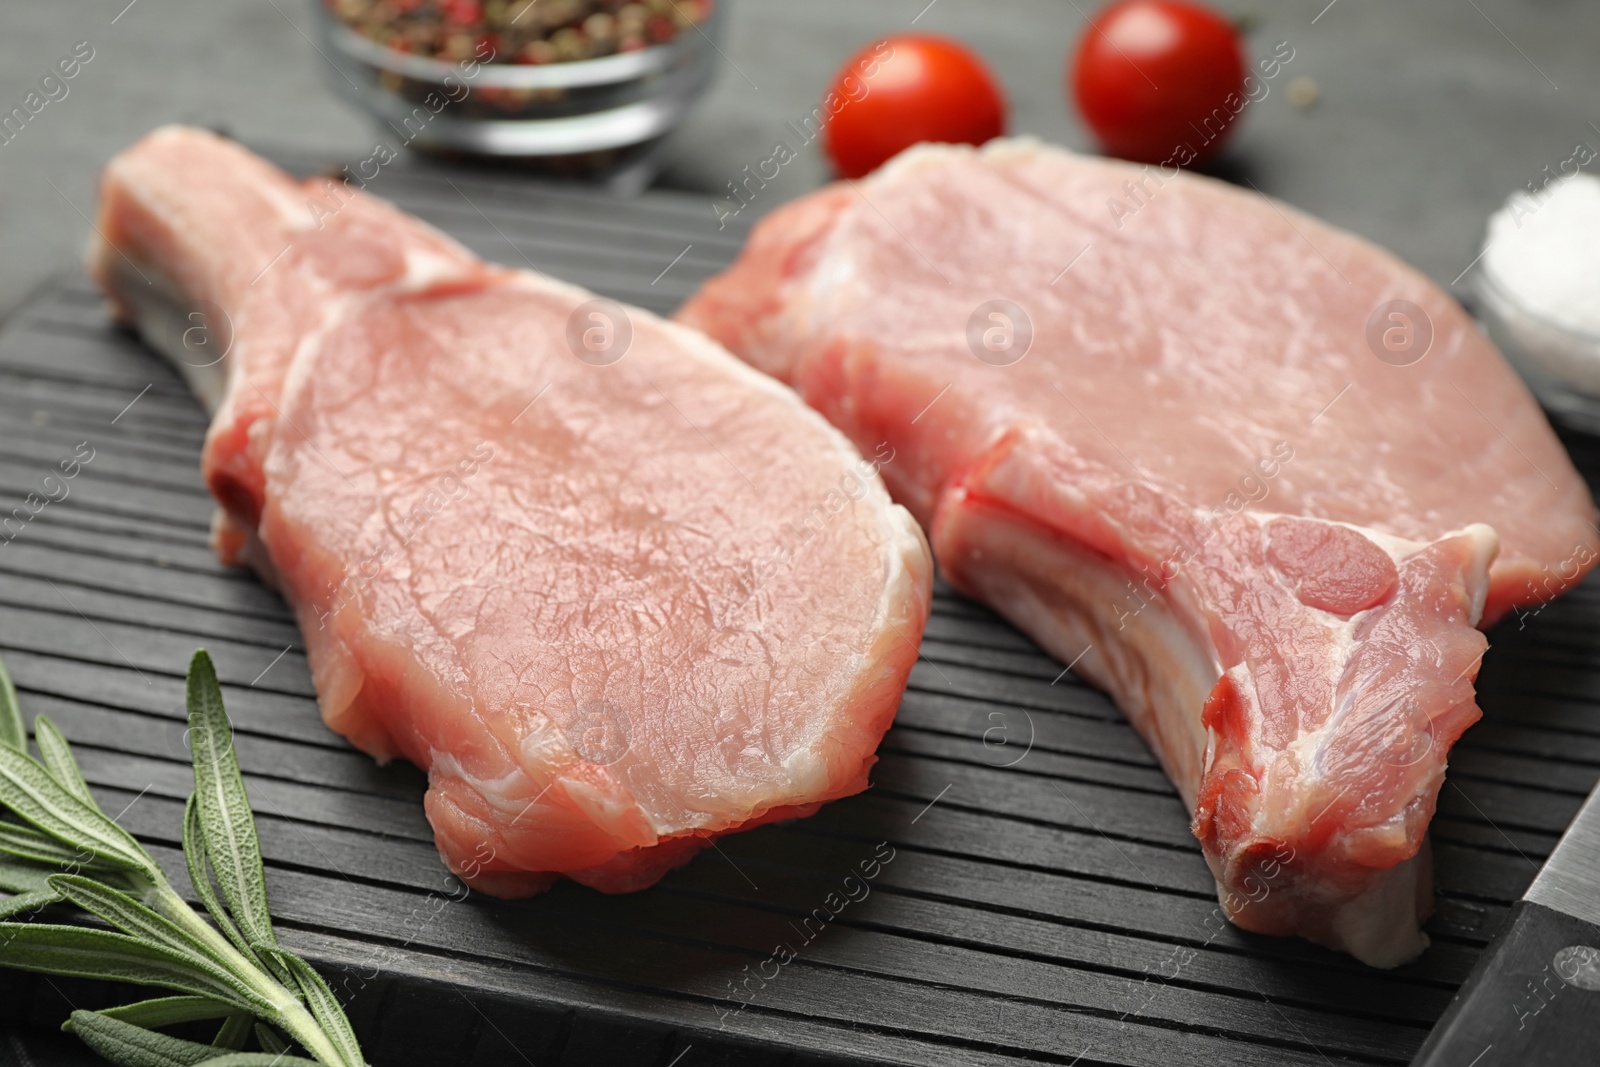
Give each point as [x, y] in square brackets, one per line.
[1429, 113]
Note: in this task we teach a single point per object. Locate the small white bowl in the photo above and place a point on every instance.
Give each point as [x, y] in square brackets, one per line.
[1560, 364]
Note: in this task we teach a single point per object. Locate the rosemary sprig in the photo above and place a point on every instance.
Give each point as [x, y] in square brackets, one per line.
[62, 849]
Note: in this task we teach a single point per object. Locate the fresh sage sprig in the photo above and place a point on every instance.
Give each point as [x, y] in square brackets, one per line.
[61, 849]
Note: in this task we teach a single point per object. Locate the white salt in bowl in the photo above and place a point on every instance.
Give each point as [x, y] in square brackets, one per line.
[1539, 283]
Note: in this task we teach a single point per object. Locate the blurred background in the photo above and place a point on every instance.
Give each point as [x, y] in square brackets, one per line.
[1426, 114]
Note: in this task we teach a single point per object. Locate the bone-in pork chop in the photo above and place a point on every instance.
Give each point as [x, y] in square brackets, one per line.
[616, 591]
[1250, 474]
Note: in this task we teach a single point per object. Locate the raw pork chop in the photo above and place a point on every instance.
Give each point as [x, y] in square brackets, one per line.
[616, 591]
[1171, 454]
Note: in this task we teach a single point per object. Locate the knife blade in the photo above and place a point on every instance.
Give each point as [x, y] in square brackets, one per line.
[1534, 997]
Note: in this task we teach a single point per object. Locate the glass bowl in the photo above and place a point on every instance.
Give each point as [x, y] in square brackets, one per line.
[574, 115]
[1560, 363]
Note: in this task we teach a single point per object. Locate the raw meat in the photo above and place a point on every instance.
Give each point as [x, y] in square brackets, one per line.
[286, 251]
[1145, 416]
[614, 590]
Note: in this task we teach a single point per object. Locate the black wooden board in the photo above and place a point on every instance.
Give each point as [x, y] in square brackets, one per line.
[1038, 890]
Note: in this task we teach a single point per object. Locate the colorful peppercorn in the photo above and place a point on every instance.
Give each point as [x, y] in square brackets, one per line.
[521, 31]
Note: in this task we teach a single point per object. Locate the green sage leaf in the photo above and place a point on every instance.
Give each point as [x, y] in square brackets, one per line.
[79, 952]
[194, 854]
[130, 1045]
[67, 832]
[58, 760]
[29, 844]
[234, 1033]
[324, 1005]
[25, 876]
[269, 1040]
[36, 797]
[12, 730]
[227, 823]
[20, 876]
[135, 918]
[23, 903]
[164, 1011]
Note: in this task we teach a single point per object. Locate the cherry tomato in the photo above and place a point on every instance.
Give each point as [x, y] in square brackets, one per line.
[465, 12]
[905, 89]
[1159, 80]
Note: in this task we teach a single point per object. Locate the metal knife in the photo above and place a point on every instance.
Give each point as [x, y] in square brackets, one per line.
[1534, 997]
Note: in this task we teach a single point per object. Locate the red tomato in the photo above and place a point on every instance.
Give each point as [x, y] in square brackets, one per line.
[465, 12]
[1159, 80]
[905, 89]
